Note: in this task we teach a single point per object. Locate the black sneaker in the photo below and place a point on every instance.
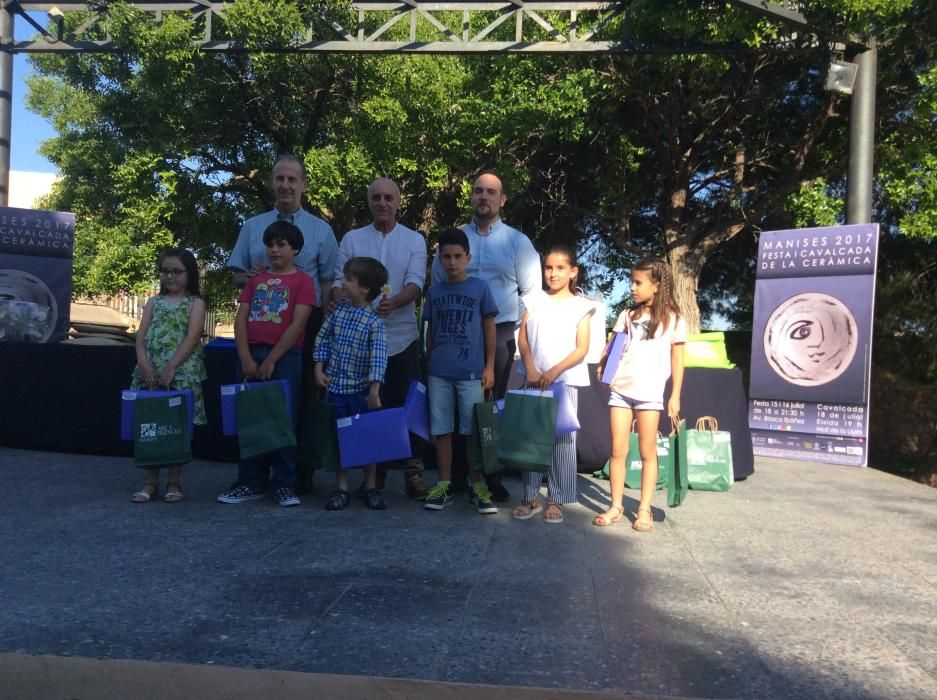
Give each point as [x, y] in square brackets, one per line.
[480, 497]
[438, 497]
[239, 494]
[286, 497]
[375, 500]
[339, 500]
[498, 492]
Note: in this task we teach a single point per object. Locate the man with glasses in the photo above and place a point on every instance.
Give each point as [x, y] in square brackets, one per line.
[506, 259]
[403, 252]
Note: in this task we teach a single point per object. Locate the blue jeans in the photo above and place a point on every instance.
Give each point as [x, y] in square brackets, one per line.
[256, 471]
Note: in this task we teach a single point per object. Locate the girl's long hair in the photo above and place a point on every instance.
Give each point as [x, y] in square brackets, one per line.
[664, 303]
[191, 269]
[570, 254]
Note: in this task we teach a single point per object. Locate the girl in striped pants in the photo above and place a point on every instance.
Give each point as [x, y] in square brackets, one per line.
[553, 342]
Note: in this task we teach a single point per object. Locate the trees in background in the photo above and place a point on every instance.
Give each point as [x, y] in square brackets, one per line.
[684, 156]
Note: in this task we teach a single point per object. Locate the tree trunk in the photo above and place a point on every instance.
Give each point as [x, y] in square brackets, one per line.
[685, 267]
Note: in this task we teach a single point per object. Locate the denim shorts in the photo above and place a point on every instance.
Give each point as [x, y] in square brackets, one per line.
[444, 395]
[349, 404]
[617, 400]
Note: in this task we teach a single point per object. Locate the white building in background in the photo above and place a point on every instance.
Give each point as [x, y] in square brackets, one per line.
[27, 187]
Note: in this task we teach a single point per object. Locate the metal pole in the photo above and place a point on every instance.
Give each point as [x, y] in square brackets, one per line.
[862, 138]
[6, 101]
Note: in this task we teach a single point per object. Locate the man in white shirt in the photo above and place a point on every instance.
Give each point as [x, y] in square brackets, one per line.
[403, 253]
[506, 259]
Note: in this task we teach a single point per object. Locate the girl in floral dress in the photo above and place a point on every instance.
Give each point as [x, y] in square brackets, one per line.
[169, 350]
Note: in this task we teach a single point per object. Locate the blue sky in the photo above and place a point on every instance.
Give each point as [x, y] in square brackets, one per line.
[28, 129]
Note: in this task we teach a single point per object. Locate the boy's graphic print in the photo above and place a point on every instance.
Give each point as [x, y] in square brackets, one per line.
[271, 298]
[453, 316]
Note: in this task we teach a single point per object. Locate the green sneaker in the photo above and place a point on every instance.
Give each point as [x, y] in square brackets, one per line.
[439, 496]
[480, 497]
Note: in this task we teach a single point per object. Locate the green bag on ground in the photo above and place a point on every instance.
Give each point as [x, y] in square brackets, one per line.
[528, 432]
[677, 477]
[706, 350]
[263, 419]
[634, 467]
[709, 457]
[161, 432]
[318, 436]
[483, 445]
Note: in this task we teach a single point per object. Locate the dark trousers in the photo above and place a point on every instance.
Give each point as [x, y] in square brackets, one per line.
[402, 369]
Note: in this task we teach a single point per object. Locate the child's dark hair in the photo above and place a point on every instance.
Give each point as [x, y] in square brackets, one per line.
[454, 236]
[569, 252]
[368, 273]
[286, 232]
[191, 269]
[664, 303]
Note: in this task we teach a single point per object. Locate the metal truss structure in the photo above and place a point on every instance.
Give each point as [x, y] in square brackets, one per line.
[409, 26]
[440, 27]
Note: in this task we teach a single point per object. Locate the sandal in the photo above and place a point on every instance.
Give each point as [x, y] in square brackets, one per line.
[554, 508]
[526, 510]
[145, 494]
[339, 500]
[643, 524]
[173, 493]
[612, 516]
[375, 499]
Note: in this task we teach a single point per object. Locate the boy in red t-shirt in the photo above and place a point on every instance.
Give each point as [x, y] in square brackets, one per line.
[268, 330]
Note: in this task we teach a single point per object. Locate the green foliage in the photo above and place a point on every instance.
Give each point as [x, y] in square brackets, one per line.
[815, 205]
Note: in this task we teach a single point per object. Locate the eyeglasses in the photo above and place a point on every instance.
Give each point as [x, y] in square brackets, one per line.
[171, 272]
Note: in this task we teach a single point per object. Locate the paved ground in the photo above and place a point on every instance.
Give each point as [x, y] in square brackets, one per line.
[805, 581]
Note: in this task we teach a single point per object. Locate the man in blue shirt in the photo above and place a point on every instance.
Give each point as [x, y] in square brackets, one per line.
[317, 258]
[506, 259]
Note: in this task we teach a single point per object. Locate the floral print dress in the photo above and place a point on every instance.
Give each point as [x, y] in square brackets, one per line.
[167, 330]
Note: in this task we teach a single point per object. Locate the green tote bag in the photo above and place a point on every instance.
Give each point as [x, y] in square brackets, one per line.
[709, 457]
[161, 432]
[528, 432]
[484, 441]
[318, 435]
[263, 420]
[677, 479]
[634, 467]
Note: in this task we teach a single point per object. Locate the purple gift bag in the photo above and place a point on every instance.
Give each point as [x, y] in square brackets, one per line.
[616, 346]
[566, 419]
[417, 408]
[128, 396]
[378, 436]
[229, 420]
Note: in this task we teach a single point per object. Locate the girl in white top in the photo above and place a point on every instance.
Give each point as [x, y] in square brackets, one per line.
[655, 352]
[553, 342]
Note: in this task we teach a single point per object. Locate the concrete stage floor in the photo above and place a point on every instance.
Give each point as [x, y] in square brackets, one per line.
[805, 581]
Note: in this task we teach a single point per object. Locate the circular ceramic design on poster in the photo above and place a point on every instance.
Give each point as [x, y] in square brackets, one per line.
[810, 339]
[28, 311]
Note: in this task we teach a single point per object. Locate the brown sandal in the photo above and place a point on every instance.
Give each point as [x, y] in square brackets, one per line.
[604, 520]
[643, 524]
[553, 508]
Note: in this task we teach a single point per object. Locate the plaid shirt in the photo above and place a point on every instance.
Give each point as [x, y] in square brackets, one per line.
[351, 344]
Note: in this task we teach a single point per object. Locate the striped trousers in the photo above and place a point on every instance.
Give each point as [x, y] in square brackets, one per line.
[561, 479]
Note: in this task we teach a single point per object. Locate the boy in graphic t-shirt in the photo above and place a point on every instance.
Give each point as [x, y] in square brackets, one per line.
[269, 329]
[460, 345]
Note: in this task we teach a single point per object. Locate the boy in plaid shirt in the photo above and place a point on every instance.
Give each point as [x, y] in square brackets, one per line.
[351, 358]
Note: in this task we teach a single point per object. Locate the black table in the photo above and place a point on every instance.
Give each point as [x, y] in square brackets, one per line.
[66, 397]
[706, 392]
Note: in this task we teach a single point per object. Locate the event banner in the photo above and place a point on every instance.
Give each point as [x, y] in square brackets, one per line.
[35, 274]
[812, 343]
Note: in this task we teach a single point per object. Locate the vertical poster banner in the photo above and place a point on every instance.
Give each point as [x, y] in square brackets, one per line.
[812, 344]
[35, 274]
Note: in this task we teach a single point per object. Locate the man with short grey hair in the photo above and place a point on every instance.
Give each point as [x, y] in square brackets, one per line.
[403, 253]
